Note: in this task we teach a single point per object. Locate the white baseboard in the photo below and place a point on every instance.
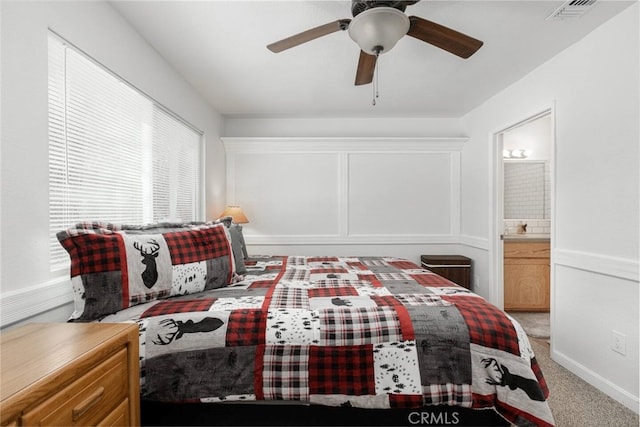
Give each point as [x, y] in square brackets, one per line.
[24, 303]
[624, 397]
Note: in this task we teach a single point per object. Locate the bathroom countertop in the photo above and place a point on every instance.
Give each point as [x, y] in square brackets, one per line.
[527, 237]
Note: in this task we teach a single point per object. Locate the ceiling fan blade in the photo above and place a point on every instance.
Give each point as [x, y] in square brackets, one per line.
[443, 37]
[306, 36]
[366, 68]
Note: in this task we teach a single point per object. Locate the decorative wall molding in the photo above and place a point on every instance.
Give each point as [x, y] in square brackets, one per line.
[342, 144]
[24, 303]
[419, 171]
[474, 242]
[361, 239]
[623, 268]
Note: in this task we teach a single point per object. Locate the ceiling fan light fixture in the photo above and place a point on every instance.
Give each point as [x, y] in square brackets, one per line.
[377, 30]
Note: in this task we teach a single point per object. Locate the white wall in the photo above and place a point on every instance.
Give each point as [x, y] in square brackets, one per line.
[356, 196]
[342, 127]
[27, 285]
[593, 89]
[334, 129]
[533, 136]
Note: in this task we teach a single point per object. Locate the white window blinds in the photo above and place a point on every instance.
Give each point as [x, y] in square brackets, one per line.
[114, 154]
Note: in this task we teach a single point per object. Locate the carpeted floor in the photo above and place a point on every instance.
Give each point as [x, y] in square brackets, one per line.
[575, 403]
[536, 325]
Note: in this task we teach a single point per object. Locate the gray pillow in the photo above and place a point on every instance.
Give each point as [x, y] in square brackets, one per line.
[237, 244]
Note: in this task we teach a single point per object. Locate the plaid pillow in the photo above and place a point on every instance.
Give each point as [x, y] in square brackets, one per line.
[114, 267]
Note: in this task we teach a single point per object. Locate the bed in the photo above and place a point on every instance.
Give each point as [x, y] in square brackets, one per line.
[368, 333]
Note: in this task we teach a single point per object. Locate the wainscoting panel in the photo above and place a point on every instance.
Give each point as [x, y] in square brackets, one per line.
[401, 193]
[288, 194]
[340, 191]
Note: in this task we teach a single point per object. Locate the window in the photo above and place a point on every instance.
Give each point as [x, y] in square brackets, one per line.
[114, 154]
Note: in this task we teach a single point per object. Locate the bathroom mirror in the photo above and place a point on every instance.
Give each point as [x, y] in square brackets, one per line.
[526, 189]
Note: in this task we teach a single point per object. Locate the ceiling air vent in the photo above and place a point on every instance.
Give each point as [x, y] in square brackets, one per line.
[572, 9]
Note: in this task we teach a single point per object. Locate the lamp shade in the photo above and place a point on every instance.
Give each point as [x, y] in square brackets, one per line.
[378, 29]
[236, 213]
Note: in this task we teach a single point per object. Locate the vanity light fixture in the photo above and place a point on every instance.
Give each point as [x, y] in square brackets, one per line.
[516, 153]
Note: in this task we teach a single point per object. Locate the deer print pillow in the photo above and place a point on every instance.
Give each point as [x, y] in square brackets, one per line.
[114, 267]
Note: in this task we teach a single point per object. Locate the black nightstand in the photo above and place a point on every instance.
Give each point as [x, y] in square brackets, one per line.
[456, 268]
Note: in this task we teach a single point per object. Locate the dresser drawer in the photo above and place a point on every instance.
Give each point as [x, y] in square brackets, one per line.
[88, 400]
[119, 416]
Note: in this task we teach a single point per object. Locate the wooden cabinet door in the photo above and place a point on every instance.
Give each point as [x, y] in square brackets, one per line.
[526, 276]
[526, 284]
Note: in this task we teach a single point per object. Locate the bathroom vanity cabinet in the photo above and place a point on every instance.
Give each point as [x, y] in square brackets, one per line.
[526, 274]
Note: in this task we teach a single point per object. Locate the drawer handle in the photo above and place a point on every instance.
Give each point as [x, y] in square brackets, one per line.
[86, 404]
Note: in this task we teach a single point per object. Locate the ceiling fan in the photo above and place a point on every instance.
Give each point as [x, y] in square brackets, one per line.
[376, 27]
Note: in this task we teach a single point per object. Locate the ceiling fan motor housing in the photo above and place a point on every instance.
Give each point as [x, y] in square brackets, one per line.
[359, 6]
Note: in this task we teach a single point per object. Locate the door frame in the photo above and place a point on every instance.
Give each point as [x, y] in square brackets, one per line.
[496, 226]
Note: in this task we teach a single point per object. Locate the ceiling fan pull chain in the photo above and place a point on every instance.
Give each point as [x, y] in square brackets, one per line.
[373, 98]
[375, 82]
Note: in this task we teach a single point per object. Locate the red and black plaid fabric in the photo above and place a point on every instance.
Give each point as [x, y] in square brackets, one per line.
[171, 307]
[357, 265]
[356, 326]
[375, 262]
[347, 370]
[421, 299]
[322, 259]
[344, 291]
[285, 297]
[538, 373]
[392, 276]
[271, 288]
[285, 372]
[328, 270]
[340, 283]
[432, 280]
[404, 319]
[405, 400]
[371, 278]
[296, 260]
[449, 394]
[97, 225]
[404, 265]
[488, 325]
[246, 327]
[296, 274]
[261, 284]
[145, 297]
[483, 401]
[197, 245]
[93, 252]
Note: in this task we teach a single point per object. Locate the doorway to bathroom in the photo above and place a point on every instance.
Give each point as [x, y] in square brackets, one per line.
[523, 221]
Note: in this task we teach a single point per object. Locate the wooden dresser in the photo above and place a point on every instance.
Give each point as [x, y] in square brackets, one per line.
[70, 374]
[526, 275]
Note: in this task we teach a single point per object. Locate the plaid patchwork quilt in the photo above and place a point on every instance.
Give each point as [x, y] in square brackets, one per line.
[371, 332]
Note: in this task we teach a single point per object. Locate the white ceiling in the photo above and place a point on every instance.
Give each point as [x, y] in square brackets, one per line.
[220, 48]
